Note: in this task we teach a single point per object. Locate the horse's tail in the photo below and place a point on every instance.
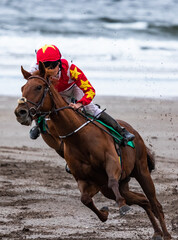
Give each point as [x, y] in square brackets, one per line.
[150, 160]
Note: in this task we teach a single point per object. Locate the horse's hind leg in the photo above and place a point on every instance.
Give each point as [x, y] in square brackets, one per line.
[139, 199]
[87, 192]
[148, 187]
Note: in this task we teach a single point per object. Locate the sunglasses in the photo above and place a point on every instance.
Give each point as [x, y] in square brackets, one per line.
[51, 65]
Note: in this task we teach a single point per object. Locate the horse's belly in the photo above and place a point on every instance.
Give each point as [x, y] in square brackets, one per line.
[88, 173]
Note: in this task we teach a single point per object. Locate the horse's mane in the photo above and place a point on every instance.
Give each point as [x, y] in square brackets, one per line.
[37, 72]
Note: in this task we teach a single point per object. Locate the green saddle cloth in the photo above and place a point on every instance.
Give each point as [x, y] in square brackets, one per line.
[42, 124]
[116, 134]
[117, 137]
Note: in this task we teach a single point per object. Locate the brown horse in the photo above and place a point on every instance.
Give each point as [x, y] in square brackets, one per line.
[91, 154]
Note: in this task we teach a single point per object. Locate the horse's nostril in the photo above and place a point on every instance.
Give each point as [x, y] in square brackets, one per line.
[22, 112]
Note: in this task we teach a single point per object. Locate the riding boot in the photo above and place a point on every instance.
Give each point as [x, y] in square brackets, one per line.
[107, 119]
[34, 132]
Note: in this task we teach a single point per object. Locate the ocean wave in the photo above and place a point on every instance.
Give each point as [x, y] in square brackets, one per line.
[116, 43]
[109, 19]
[116, 63]
[130, 25]
[164, 28]
[118, 29]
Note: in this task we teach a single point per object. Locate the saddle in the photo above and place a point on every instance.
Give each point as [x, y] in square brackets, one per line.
[118, 140]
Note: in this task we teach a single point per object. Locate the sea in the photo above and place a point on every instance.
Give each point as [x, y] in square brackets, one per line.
[124, 47]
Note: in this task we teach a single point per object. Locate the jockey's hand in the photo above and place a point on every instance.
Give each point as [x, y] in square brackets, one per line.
[75, 106]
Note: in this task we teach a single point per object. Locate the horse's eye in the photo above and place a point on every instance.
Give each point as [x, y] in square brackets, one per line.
[39, 87]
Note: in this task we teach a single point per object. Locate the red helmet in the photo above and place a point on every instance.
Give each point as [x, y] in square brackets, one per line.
[48, 53]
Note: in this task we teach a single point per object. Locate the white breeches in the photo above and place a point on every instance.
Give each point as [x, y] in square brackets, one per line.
[75, 92]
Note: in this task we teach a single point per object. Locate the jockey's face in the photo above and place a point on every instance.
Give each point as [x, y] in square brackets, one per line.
[52, 67]
[53, 72]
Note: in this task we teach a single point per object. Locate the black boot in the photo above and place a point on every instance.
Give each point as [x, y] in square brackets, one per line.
[34, 132]
[107, 119]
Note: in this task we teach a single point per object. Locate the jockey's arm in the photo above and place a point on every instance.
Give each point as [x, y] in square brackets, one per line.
[82, 82]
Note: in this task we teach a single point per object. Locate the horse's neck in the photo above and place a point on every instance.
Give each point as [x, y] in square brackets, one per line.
[65, 120]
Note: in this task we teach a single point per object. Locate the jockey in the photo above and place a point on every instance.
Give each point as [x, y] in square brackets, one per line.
[73, 84]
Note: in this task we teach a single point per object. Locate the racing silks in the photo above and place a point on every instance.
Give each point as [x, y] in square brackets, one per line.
[70, 75]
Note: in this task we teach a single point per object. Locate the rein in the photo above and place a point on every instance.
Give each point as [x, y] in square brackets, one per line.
[35, 111]
[75, 131]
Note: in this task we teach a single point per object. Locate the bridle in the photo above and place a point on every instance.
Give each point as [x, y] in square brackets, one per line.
[35, 110]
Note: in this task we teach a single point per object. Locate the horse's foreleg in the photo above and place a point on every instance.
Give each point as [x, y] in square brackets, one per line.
[148, 187]
[140, 200]
[113, 170]
[52, 139]
[54, 143]
[87, 192]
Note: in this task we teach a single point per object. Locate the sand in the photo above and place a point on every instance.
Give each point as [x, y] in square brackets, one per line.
[39, 200]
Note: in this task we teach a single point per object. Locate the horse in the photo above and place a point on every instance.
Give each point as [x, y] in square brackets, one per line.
[91, 154]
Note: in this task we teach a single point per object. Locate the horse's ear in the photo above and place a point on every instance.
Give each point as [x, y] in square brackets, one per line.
[42, 69]
[25, 73]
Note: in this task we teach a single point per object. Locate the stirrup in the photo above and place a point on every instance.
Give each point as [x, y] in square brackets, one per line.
[130, 137]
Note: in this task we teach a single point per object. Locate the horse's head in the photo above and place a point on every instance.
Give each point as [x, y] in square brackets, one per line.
[35, 96]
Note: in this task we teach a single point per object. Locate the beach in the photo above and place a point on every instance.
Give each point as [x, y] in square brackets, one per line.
[39, 200]
[129, 53]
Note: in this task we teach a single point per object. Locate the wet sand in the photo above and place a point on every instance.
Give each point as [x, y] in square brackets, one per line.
[39, 200]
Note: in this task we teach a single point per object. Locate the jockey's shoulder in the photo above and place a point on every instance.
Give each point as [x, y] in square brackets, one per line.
[67, 65]
[64, 62]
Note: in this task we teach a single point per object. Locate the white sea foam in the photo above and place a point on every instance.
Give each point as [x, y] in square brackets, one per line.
[114, 66]
[134, 25]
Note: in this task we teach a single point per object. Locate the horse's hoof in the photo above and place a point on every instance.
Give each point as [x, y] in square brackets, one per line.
[105, 213]
[104, 209]
[123, 210]
[157, 237]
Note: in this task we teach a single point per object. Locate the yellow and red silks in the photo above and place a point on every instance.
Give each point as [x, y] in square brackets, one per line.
[82, 82]
[76, 77]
